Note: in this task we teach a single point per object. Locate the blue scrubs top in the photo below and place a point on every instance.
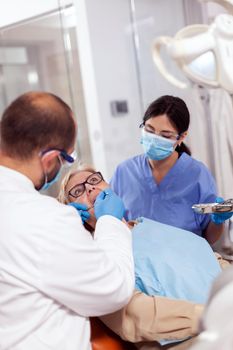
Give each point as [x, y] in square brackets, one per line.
[170, 202]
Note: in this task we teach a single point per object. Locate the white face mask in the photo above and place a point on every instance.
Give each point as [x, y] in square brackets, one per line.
[156, 147]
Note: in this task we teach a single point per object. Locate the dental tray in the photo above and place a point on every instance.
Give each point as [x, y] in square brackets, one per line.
[209, 208]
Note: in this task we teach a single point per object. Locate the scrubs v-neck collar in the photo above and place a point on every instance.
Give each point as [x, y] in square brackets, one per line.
[175, 171]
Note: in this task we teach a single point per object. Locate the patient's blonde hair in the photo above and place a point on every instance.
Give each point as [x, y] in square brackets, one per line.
[63, 194]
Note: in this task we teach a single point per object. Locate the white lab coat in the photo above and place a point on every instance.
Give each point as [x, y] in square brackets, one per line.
[53, 274]
[217, 321]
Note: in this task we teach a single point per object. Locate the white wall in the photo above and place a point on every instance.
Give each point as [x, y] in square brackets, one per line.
[115, 70]
[109, 73]
[13, 11]
[154, 19]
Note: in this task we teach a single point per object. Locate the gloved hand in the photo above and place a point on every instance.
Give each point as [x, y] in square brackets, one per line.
[82, 209]
[108, 203]
[219, 218]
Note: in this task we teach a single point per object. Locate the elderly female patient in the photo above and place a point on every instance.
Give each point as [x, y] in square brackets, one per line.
[174, 269]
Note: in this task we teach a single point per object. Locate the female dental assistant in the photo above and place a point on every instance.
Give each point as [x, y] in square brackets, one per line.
[163, 183]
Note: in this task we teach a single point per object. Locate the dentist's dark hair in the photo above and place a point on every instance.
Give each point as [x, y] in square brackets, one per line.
[34, 122]
[177, 112]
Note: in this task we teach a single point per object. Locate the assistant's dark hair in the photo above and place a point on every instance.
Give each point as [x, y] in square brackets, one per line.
[36, 121]
[176, 111]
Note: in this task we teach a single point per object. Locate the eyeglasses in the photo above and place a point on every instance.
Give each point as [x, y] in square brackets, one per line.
[164, 133]
[69, 158]
[79, 189]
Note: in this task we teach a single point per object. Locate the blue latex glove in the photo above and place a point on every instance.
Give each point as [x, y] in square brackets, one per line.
[219, 218]
[82, 209]
[108, 203]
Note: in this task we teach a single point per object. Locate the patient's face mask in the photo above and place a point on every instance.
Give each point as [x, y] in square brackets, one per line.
[156, 147]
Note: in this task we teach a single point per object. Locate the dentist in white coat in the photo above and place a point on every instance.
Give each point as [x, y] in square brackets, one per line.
[53, 274]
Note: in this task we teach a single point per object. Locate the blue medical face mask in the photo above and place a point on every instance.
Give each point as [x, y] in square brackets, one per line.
[69, 160]
[156, 147]
[48, 184]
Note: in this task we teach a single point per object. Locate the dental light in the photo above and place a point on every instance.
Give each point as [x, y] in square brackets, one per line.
[203, 52]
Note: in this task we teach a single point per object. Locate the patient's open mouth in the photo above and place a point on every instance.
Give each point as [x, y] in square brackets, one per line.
[93, 196]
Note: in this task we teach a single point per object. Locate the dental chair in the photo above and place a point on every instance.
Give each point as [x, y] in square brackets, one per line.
[102, 338]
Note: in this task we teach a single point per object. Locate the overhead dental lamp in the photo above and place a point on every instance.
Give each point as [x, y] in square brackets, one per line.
[203, 52]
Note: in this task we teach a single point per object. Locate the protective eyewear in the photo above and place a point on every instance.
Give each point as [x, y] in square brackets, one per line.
[164, 133]
[68, 158]
[79, 189]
